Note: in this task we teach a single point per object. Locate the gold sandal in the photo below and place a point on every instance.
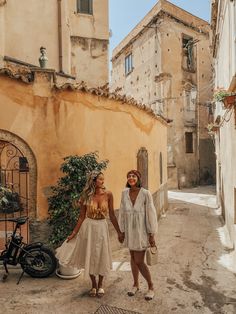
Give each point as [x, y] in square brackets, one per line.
[133, 291]
[93, 292]
[149, 295]
[100, 292]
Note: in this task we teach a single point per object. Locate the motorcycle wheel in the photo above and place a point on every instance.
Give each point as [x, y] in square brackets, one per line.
[39, 262]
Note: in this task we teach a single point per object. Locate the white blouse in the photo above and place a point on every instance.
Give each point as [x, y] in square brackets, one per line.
[137, 220]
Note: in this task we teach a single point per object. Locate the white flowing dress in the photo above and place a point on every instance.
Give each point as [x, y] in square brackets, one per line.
[137, 220]
[90, 248]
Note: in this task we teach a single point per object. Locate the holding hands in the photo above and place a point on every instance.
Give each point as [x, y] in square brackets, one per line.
[151, 240]
[121, 237]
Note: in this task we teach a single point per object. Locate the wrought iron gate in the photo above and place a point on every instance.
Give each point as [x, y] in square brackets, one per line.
[14, 185]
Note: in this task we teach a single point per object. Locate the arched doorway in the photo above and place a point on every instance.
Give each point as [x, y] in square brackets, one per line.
[17, 182]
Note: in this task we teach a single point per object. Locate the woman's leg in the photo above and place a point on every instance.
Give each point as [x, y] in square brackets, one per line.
[134, 268]
[93, 280]
[139, 261]
[100, 280]
[93, 291]
[100, 289]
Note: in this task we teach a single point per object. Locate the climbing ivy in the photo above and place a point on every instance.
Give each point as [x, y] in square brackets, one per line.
[63, 213]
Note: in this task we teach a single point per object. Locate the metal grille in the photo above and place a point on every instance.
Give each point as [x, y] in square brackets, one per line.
[14, 171]
[106, 309]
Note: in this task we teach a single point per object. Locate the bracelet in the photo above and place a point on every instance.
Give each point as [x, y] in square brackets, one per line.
[73, 232]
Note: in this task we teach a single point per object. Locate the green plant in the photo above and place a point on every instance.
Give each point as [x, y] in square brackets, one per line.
[63, 213]
[9, 201]
[221, 94]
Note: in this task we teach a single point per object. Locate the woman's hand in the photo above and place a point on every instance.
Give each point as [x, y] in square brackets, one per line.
[71, 236]
[121, 237]
[152, 240]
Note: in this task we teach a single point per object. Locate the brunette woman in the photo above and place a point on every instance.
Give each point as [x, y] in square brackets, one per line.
[138, 222]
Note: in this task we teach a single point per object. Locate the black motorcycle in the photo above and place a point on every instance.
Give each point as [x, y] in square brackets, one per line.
[35, 259]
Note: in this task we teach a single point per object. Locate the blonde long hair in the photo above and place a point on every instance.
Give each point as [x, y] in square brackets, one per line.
[90, 186]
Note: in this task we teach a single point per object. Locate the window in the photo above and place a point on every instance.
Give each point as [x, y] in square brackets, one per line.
[128, 64]
[188, 55]
[85, 6]
[189, 142]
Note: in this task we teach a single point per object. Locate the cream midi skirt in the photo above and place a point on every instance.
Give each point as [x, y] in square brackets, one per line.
[89, 249]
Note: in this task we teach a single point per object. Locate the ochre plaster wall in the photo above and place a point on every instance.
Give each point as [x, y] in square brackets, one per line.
[56, 124]
[27, 25]
[27, 22]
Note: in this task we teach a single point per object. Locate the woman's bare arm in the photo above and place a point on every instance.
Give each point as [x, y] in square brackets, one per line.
[113, 217]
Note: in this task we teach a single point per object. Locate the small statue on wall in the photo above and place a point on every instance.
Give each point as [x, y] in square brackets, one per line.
[43, 58]
[189, 47]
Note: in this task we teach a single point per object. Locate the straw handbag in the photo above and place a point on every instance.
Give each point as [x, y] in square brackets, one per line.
[152, 255]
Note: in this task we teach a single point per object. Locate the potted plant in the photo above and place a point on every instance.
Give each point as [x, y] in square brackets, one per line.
[67, 272]
[228, 98]
[9, 201]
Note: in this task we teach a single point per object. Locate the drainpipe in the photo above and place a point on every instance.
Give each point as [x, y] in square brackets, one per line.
[59, 2]
[2, 34]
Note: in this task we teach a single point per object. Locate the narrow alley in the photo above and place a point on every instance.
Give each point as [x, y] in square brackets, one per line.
[98, 96]
[196, 272]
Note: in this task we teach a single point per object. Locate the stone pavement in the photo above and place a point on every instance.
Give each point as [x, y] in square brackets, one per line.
[196, 272]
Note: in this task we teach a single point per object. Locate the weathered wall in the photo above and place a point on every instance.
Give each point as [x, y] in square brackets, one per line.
[224, 50]
[160, 78]
[23, 26]
[140, 83]
[56, 124]
[27, 25]
[186, 94]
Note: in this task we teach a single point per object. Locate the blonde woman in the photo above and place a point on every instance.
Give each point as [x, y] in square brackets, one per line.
[90, 239]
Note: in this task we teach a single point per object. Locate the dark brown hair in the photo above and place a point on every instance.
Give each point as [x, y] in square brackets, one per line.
[138, 175]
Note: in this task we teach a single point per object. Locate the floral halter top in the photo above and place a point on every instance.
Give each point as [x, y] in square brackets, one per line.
[98, 211]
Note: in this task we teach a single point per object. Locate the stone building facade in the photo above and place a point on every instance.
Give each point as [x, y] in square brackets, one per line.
[75, 34]
[223, 21]
[165, 62]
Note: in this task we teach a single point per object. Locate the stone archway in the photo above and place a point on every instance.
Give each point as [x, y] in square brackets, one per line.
[20, 144]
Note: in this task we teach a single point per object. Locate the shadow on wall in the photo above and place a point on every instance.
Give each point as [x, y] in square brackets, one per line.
[206, 177]
[160, 199]
[207, 162]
